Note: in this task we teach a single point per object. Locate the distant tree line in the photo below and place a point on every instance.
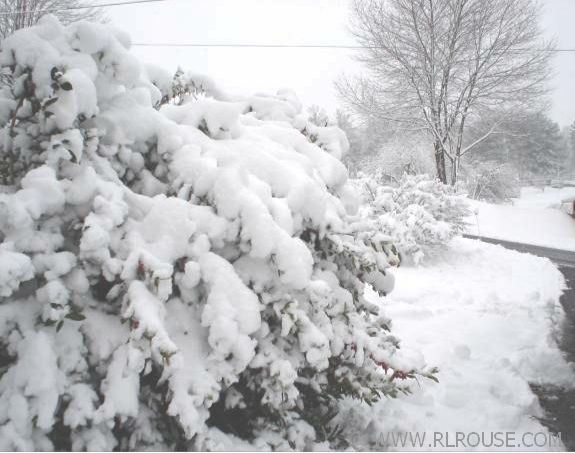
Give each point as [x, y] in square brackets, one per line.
[531, 143]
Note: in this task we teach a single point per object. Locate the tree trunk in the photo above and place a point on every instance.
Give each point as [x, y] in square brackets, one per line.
[455, 170]
[440, 162]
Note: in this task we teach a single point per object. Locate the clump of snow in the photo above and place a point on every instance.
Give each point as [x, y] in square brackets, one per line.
[14, 269]
[218, 119]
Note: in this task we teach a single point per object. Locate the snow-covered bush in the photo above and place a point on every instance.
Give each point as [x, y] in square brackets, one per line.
[189, 85]
[178, 278]
[491, 181]
[419, 214]
[380, 150]
[399, 153]
[318, 116]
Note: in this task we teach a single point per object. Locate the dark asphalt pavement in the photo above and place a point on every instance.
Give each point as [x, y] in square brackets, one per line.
[559, 403]
[562, 258]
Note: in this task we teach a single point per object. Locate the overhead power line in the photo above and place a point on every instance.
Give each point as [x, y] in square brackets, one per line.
[224, 45]
[271, 46]
[299, 46]
[70, 8]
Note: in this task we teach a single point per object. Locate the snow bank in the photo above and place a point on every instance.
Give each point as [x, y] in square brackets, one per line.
[491, 330]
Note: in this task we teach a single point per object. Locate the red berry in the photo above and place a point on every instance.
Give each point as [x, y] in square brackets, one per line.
[399, 375]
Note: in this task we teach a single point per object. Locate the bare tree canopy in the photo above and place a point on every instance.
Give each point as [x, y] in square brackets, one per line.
[434, 65]
[17, 14]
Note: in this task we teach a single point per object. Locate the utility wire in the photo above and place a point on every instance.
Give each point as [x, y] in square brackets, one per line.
[207, 45]
[268, 46]
[70, 8]
[301, 46]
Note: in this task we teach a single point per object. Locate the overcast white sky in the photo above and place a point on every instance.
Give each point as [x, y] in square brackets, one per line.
[310, 72]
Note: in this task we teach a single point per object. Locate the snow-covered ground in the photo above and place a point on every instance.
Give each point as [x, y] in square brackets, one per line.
[542, 198]
[534, 218]
[487, 317]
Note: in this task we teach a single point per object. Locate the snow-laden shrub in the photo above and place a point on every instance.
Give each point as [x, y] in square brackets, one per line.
[188, 85]
[492, 181]
[182, 278]
[318, 116]
[419, 214]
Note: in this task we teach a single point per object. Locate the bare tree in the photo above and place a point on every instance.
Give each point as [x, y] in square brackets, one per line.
[434, 65]
[17, 14]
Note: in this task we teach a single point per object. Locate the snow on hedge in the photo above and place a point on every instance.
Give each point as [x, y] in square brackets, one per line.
[177, 267]
[420, 215]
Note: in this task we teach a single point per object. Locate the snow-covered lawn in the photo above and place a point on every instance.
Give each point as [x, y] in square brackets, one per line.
[529, 221]
[533, 218]
[487, 317]
[542, 198]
